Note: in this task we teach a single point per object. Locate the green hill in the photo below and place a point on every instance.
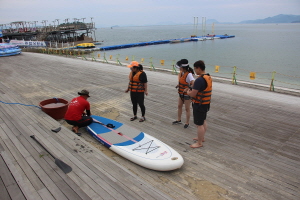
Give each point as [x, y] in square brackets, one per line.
[276, 19]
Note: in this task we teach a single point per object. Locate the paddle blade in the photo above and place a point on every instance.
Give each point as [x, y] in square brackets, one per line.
[63, 166]
[56, 130]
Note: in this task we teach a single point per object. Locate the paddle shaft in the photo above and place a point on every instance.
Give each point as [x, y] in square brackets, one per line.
[63, 166]
[119, 133]
[33, 137]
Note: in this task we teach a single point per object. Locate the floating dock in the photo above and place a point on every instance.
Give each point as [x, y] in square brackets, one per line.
[121, 46]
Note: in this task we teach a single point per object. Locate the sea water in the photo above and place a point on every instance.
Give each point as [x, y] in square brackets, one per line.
[260, 48]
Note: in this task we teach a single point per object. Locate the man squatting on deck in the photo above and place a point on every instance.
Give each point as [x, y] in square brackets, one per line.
[75, 114]
[201, 97]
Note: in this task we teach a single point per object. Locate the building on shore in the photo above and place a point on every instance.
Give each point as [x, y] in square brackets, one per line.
[68, 32]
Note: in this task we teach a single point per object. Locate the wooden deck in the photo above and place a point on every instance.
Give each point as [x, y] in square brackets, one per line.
[251, 151]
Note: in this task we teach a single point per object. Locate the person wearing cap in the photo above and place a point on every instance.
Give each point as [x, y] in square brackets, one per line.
[138, 88]
[201, 95]
[186, 80]
[76, 115]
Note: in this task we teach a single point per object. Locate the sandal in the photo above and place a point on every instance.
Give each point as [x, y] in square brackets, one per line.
[133, 118]
[142, 119]
[176, 122]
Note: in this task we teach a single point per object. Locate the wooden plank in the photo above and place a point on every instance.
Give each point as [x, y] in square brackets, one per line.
[96, 164]
[52, 175]
[9, 186]
[246, 152]
[105, 183]
[20, 169]
[37, 170]
[77, 167]
[3, 191]
[103, 178]
[45, 194]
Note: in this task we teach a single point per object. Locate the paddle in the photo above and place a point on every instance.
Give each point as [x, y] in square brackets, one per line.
[56, 130]
[63, 166]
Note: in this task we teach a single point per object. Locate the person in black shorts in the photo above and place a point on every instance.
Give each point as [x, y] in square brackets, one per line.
[185, 80]
[76, 114]
[201, 96]
[138, 88]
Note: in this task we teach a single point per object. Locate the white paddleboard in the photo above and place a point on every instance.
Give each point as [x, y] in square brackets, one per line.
[135, 145]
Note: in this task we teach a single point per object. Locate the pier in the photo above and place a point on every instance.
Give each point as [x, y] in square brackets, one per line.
[251, 149]
[113, 47]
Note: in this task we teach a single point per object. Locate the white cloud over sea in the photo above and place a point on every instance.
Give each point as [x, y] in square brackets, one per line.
[143, 12]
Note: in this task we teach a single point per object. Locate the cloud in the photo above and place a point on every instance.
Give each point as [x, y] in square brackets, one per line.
[142, 12]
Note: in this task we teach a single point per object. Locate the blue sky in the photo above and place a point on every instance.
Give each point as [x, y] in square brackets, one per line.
[143, 12]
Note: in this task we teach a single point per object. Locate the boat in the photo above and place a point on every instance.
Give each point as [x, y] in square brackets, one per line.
[181, 40]
[209, 38]
[198, 39]
[134, 145]
[225, 36]
[85, 45]
[9, 50]
[98, 42]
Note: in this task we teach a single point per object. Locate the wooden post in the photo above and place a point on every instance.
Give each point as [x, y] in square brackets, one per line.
[118, 61]
[174, 71]
[105, 58]
[272, 81]
[151, 64]
[233, 76]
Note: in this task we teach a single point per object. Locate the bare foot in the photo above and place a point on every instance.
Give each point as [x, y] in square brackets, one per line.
[196, 145]
[197, 139]
[75, 129]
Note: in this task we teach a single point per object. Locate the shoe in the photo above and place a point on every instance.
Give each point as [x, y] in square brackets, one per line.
[186, 125]
[176, 122]
[142, 119]
[133, 118]
[79, 134]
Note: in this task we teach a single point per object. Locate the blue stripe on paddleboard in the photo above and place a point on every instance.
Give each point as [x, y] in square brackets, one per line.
[130, 142]
[101, 129]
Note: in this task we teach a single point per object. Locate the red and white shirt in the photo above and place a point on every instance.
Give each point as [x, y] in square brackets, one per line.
[76, 107]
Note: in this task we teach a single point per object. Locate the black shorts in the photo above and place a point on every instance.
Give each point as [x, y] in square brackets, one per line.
[184, 97]
[200, 112]
[84, 121]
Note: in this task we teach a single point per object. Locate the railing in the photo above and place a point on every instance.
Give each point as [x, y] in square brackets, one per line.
[235, 74]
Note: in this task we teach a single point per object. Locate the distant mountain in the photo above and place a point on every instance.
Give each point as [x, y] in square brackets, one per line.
[211, 21]
[166, 23]
[276, 19]
[208, 21]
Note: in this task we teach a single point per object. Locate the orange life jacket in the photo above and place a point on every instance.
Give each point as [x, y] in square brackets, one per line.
[135, 85]
[204, 97]
[183, 84]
